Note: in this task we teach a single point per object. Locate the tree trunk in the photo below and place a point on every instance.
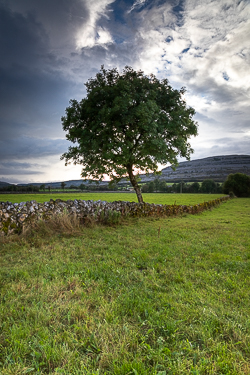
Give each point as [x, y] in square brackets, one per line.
[134, 183]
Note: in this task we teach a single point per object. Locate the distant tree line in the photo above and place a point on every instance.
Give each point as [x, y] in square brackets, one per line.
[207, 186]
[90, 186]
[20, 188]
[82, 187]
[237, 184]
[48, 188]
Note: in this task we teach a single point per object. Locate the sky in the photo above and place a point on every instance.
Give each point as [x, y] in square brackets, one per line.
[50, 48]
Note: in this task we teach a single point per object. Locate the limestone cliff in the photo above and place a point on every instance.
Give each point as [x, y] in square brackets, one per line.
[215, 167]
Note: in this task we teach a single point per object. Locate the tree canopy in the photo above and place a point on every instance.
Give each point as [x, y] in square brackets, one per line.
[128, 122]
[238, 183]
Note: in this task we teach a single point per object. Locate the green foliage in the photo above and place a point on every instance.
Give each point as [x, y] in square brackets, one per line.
[127, 122]
[238, 183]
[112, 185]
[63, 184]
[20, 188]
[110, 217]
[194, 187]
[42, 187]
[155, 186]
[208, 186]
[82, 187]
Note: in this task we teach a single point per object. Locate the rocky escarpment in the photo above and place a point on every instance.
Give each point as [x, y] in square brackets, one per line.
[216, 168]
[13, 217]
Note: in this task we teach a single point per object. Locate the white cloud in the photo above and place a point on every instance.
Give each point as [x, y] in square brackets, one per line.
[219, 34]
[90, 34]
[207, 50]
[211, 44]
[137, 4]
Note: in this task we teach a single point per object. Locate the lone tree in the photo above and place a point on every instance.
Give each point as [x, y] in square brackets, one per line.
[127, 123]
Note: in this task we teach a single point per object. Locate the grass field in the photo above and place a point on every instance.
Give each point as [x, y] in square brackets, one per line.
[159, 198]
[151, 296]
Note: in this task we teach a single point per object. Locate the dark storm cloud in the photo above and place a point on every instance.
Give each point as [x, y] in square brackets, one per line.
[60, 18]
[23, 39]
[28, 148]
[15, 168]
[34, 88]
[29, 99]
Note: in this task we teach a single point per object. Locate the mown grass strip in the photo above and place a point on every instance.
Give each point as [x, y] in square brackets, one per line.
[152, 296]
[158, 198]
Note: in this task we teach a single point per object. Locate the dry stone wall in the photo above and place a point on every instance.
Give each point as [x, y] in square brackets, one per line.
[14, 216]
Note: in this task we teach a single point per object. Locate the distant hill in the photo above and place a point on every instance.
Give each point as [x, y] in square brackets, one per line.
[3, 184]
[55, 185]
[216, 168]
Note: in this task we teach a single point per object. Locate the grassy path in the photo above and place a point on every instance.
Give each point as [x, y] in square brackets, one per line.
[151, 296]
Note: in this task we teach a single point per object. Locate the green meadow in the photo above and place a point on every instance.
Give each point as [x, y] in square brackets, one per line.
[153, 296]
[159, 198]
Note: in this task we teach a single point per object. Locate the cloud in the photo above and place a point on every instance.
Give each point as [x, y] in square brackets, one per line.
[50, 48]
[221, 146]
[25, 148]
[137, 5]
[207, 50]
[216, 35]
[19, 169]
[210, 43]
[91, 34]
[60, 18]
[32, 83]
